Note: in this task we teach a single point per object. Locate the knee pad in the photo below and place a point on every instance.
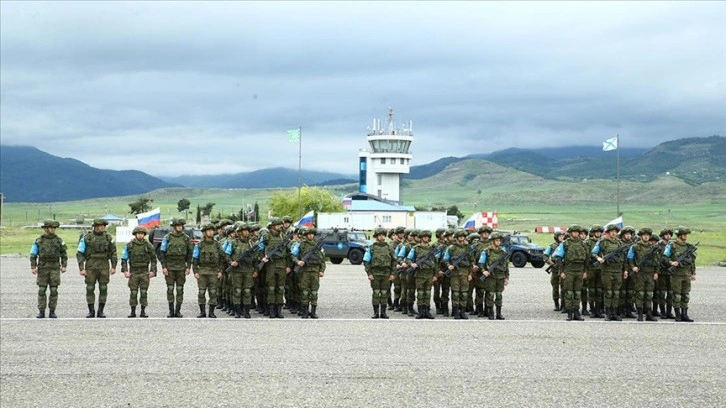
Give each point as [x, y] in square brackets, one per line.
[305, 293]
[248, 291]
[576, 295]
[54, 290]
[143, 292]
[384, 293]
[170, 289]
[271, 290]
[608, 294]
[376, 293]
[648, 295]
[134, 292]
[685, 298]
[499, 295]
[677, 298]
[179, 289]
[41, 290]
[491, 295]
[314, 294]
[238, 292]
[281, 289]
[569, 294]
[90, 289]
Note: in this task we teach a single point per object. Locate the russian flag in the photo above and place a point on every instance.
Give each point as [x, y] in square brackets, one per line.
[618, 221]
[308, 220]
[471, 223]
[150, 219]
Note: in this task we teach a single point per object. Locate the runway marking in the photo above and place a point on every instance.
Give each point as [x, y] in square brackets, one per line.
[312, 321]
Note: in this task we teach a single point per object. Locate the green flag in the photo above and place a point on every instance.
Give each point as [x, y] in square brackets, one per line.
[293, 135]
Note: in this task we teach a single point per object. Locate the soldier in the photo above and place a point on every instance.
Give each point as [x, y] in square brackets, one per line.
[663, 286]
[436, 281]
[224, 296]
[682, 257]
[445, 280]
[97, 261]
[612, 270]
[139, 256]
[175, 254]
[379, 262]
[207, 261]
[48, 259]
[643, 263]
[424, 261]
[401, 253]
[242, 258]
[477, 283]
[459, 258]
[627, 291]
[496, 276]
[555, 280]
[397, 242]
[311, 260]
[293, 294]
[594, 274]
[276, 266]
[571, 256]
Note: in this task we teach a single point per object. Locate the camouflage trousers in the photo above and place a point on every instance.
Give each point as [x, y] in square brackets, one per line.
[556, 283]
[494, 287]
[207, 283]
[175, 278]
[594, 285]
[275, 281]
[459, 289]
[664, 289]
[424, 281]
[242, 286]
[380, 286]
[681, 286]
[644, 286]
[572, 288]
[292, 287]
[48, 277]
[100, 275]
[309, 286]
[611, 283]
[139, 286]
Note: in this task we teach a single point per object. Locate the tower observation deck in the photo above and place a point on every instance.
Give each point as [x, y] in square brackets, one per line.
[387, 159]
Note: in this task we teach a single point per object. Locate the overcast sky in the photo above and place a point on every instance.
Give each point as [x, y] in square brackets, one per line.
[207, 88]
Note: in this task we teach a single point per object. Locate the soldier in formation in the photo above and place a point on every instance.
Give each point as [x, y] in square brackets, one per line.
[138, 264]
[207, 261]
[277, 262]
[494, 263]
[571, 256]
[310, 265]
[97, 260]
[175, 254]
[48, 259]
[379, 262]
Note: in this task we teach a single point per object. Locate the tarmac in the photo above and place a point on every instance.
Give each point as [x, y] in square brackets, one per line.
[347, 359]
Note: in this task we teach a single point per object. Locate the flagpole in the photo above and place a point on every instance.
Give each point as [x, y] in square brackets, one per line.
[617, 174]
[299, 170]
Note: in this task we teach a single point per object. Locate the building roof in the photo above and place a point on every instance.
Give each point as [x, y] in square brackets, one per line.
[372, 205]
[111, 217]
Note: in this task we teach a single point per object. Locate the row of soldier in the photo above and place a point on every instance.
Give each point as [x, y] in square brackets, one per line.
[238, 268]
[617, 272]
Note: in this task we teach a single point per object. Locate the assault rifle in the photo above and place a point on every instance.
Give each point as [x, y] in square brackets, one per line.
[648, 256]
[312, 252]
[549, 269]
[278, 250]
[612, 255]
[459, 259]
[685, 257]
[503, 259]
[410, 270]
[245, 256]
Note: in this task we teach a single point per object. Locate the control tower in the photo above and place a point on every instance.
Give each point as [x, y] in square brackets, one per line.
[381, 167]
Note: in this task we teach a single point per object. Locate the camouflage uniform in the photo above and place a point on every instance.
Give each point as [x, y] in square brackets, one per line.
[242, 270]
[642, 265]
[460, 274]
[594, 275]
[309, 273]
[571, 256]
[684, 273]
[612, 272]
[426, 258]
[140, 258]
[379, 262]
[555, 280]
[175, 255]
[48, 257]
[497, 276]
[96, 252]
[208, 261]
[663, 285]
[276, 268]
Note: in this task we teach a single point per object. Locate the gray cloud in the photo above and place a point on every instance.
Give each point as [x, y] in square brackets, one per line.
[205, 88]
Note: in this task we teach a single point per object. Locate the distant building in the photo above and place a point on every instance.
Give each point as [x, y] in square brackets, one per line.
[113, 220]
[380, 168]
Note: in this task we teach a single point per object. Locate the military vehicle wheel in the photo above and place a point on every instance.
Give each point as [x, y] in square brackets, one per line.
[519, 259]
[537, 264]
[336, 261]
[355, 256]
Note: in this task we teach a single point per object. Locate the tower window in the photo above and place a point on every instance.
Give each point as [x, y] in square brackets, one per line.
[383, 160]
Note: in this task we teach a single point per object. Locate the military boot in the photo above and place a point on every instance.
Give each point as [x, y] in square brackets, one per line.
[171, 310]
[490, 313]
[51, 314]
[557, 305]
[640, 314]
[420, 314]
[649, 317]
[223, 305]
[304, 313]
[678, 314]
[211, 314]
[654, 312]
[615, 316]
[294, 307]
[499, 313]
[266, 310]
[684, 315]
[428, 314]
[396, 305]
[411, 310]
[237, 311]
[569, 315]
[143, 312]
[278, 312]
[455, 312]
[41, 314]
[91, 311]
[462, 313]
[390, 303]
[177, 310]
[314, 309]
[246, 315]
[202, 311]
[270, 313]
[383, 312]
[669, 308]
[595, 311]
[445, 310]
[439, 310]
[628, 311]
[479, 310]
[576, 315]
[100, 313]
[133, 312]
[585, 312]
[403, 308]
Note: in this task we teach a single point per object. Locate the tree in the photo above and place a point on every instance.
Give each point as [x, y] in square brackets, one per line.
[143, 204]
[454, 210]
[311, 198]
[199, 214]
[256, 212]
[183, 205]
[207, 209]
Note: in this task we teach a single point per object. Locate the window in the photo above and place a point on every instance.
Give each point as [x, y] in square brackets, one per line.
[380, 180]
[401, 160]
[383, 160]
[386, 218]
